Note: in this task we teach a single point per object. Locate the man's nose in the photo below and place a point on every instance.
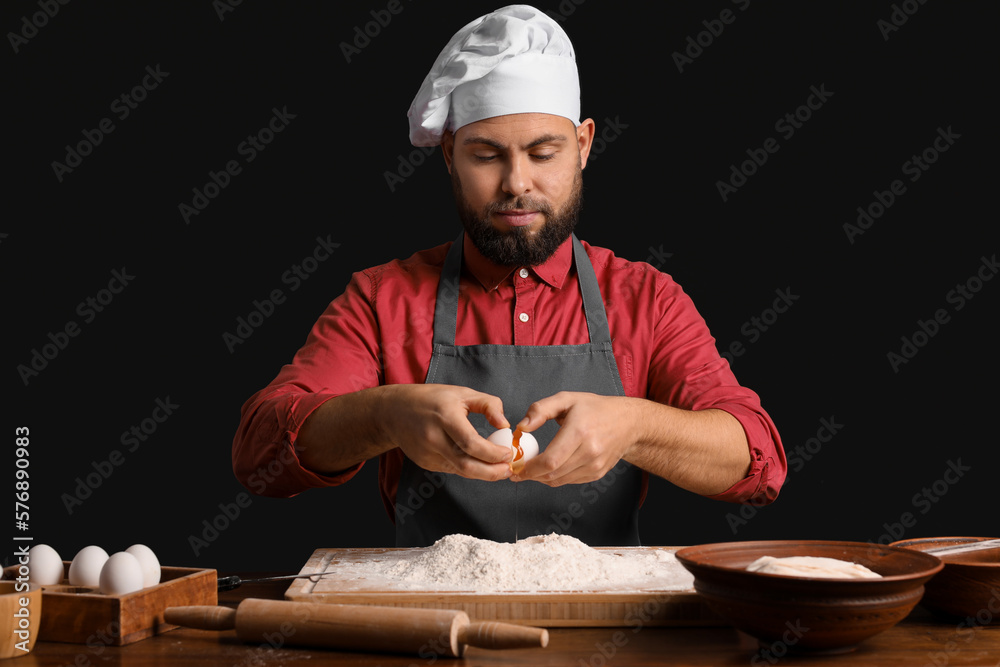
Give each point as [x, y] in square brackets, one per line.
[517, 178]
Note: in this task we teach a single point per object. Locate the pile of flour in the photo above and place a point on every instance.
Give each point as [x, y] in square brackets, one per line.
[543, 563]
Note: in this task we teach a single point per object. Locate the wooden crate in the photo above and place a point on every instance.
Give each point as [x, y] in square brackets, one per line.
[80, 615]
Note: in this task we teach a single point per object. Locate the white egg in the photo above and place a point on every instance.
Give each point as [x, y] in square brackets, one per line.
[85, 570]
[121, 574]
[45, 565]
[505, 438]
[149, 562]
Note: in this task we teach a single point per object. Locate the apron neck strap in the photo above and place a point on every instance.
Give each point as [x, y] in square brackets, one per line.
[446, 308]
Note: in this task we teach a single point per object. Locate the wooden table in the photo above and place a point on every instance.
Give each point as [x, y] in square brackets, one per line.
[918, 641]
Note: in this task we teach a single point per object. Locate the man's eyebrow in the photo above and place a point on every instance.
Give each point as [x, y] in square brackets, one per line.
[547, 139]
[483, 140]
[486, 141]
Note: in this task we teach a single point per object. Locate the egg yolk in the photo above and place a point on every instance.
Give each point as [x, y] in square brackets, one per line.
[518, 452]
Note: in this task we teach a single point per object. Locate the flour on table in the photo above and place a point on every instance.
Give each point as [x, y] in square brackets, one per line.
[542, 563]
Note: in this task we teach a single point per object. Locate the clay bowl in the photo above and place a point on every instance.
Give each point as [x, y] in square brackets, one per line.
[969, 585]
[805, 614]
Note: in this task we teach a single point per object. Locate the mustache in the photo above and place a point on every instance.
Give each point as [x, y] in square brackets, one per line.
[519, 203]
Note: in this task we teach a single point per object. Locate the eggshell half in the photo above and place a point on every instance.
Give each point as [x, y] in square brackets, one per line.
[505, 438]
[530, 448]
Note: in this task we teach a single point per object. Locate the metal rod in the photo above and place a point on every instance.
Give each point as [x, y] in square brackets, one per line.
[229, 583]
[962, 548]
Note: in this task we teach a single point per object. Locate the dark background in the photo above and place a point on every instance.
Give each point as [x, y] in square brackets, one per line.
[651, 195]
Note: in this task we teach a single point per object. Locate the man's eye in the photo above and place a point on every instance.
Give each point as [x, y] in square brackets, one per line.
[543, 156]
[485, 158]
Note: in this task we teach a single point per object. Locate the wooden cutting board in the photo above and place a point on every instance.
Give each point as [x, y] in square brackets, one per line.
[609, 607]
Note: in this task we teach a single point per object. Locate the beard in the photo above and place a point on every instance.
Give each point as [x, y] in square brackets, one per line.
[518, 246]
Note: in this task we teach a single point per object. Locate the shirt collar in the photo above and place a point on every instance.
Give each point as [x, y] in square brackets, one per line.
[553, 270]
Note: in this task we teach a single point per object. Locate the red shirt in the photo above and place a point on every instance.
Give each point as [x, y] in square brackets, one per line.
[379, 332]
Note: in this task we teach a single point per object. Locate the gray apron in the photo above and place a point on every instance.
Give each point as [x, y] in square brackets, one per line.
[431, 505]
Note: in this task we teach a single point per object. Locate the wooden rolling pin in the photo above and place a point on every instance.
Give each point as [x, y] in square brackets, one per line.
[426, 632]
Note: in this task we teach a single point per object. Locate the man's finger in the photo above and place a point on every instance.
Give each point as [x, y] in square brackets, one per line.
[575, 471]
[490, 407]
[548, 465]
[471, 468]
[544, 409]
[467, 439]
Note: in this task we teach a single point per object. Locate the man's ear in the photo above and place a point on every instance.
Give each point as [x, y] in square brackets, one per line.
[448, 148]
[585, 139]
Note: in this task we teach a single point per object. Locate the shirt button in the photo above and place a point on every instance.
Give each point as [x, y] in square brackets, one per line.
[523, 273]
[523, 317]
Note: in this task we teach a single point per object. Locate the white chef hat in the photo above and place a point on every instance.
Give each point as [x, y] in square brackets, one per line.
[514, 60]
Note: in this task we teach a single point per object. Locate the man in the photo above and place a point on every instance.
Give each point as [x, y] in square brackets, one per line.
[420, 359]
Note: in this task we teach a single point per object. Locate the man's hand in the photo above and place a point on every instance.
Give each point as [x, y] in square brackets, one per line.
[429, 422]
[703, 451]
[594, 434]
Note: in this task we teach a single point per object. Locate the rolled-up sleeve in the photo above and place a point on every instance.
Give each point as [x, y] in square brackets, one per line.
[341, 355]
[767, 457]
[686, 371]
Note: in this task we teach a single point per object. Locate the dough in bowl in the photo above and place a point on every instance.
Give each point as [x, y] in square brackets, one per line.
[812, 566]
